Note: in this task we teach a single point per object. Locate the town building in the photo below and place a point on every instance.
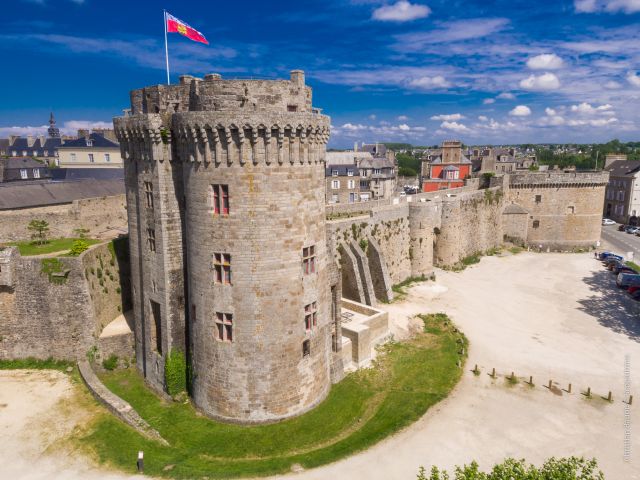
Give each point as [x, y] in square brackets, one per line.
[90, 151]
[622, 196]
[22, 169]
[446, 169]
[614, 157]
[378, 178]
[343, 184]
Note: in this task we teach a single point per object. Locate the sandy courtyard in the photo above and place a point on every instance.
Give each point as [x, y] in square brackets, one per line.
[552, 316]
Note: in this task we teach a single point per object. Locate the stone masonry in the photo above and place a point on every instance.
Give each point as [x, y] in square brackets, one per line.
[225, 194]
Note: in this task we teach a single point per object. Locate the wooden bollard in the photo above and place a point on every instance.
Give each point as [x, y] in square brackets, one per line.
[610, 397]
[512, 376]
[550, 382]
[530, 379]
[475, 369]
[493, 372]
[588, 391]
[569, 389]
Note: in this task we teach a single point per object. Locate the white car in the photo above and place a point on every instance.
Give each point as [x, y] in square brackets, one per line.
[608, 221]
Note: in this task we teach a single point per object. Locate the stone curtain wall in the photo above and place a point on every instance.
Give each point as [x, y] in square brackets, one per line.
[96, 214]
[44, 318]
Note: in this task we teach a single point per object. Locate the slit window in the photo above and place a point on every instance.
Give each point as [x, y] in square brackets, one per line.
[151, 239]
[220, 199]
[224, 327]
[310, 316]
[306, 348]
[222, 268]
[309, 260]
[538, 198]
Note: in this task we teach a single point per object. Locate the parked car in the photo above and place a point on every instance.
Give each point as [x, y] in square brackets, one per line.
[603, 255]
[612, 259]
[631, 229]
[633, 288]
[626, 280]
[622, 227]
[621, 267]
[608, 221]
[636, 295]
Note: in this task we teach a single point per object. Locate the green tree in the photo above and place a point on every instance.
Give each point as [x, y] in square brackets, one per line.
[78, 247]
[572, 468]
[39, 231]
[81, 232]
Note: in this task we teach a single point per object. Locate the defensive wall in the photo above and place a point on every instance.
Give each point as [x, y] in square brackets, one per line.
[57, 307]
[96, 214]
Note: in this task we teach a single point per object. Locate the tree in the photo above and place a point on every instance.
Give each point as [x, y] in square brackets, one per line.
[39, 231]
[78, 247]
[81, 232]
[572, 468]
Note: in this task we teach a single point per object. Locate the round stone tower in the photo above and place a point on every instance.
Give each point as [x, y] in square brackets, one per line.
[249, 158]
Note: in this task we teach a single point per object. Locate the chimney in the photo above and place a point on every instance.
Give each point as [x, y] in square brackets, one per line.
[297, 77]
[30, 140]
[355, 147]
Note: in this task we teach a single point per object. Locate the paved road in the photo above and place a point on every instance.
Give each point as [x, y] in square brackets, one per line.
[621, 242]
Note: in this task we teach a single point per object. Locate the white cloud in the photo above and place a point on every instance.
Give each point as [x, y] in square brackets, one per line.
[633, 79]
[404, 127]
[545, 61]
[489, 101]
[612, 85]
[482, 118]
[587, 109]
[546, 81]
[449, 117]
[520, 111]
[427, 83]
[611, 6]
[550, 111]
[68, 128]
[556, 120]
[454, 126]
[506, 96]
[23, 131]
[402, 11]
[372, 117]
[600, 122]
[402, 118]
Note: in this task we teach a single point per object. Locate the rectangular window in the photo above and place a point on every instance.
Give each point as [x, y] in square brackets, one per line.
[151, 235]
[306, 348]
[24, 174]
[219, 199]
[334, 173]
[224, 327]
[45, 153]
[222, 268]
[107, 157]
[90, 157]
[538, 198]
[351, 184]
[310, 316]
[376, 171]
[292, 108]
[148, 194]
[363, 173]
[73, 157]
[352, 197]
[349, 173]
[536, 223]
[364, 184]
[36, 173]
[335, 184]
[334, 198]
[309, 260]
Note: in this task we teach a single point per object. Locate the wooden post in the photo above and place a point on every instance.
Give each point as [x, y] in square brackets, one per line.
[550, 382]
[588, 391]
[630, 399]
[493, 372]
[530, 379]
[610, 397]
[569, 389]
[512, 376]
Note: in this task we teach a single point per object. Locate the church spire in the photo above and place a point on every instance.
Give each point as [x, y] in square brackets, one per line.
[53, 131]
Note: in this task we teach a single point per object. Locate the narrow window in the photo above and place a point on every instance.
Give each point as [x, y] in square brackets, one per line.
[335, 184]
[306, 348]
[571, 209]
[224, 327]
[73, 157]
[148, 193]
[222, 268]
[536, 223]
[91, 158]
[156, 330]
[151, 234]
[310, 316]
[219, 198]
[538, 198]
[309, 260]
[107, 157]
[350, 173]
[334, 173]
[36, 173]
[292, 108]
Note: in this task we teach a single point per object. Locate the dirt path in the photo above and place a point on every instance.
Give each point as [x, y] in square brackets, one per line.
[548, 315]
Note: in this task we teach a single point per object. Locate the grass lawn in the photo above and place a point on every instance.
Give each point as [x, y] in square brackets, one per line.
[53, 245]
[35, 364]
[367, 406]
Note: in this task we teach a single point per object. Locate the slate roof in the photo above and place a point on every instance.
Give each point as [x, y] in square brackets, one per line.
[379, 150]
[98, 142]
[20, 195]
[21, 145]
[342, 170]
[622, 168]
[14, 163]
[463, 160]
[87, 173]
[376, 162]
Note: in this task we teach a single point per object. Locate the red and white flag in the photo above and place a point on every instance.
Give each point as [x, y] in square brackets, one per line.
[176, 25]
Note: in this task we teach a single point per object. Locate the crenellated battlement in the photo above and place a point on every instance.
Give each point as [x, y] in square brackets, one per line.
[213, 93]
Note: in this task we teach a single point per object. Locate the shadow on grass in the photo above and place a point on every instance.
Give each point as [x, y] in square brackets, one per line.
[612, 306]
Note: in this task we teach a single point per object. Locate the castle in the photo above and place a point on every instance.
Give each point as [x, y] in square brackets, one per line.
[236, 261]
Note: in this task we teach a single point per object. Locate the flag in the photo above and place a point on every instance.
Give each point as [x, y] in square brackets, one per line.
[176, 25]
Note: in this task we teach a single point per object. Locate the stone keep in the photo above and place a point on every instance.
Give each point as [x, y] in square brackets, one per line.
[229, 288]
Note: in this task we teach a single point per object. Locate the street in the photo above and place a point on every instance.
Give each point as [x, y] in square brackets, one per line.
[621, 242]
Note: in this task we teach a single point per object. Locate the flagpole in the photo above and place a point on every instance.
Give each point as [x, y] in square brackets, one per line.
[166, 46]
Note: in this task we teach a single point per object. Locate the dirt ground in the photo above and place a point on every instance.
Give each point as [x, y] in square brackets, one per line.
[552, 316]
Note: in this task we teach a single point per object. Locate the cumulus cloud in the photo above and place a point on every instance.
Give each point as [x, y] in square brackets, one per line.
[450, 117]
[545, 61]
[70, 127]
[489, 101]
[506, 96]
[402, 11]
[427, 83]
[402, 118]
[611, 6]
[520, 111]
[612, 85]
[23, 131]
[633, 79]
[587, 109]
[546, 81]
[454, 126]
[482, 118]
[550, 111]
[600, 122]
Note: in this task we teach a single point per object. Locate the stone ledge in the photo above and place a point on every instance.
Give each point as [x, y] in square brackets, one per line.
[115, 404]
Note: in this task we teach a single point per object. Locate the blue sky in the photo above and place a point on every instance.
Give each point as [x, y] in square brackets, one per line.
[418, 71]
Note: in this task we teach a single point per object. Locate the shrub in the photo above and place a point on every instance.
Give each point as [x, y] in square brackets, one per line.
[175, 373]
[110, 363]
[78, 247]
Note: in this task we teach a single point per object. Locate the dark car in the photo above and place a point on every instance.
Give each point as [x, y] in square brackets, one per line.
[635, 295]
[621, 267]
[622, 227]
[603, 255]
[612, 259]
[626, 280]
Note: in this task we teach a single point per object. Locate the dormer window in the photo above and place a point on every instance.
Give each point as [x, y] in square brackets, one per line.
[89, 142]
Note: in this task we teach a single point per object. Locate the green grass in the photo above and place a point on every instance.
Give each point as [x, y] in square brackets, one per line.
[635, 266]
[365, 407]
[35, 364]
[400, 289]
[28, 248]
